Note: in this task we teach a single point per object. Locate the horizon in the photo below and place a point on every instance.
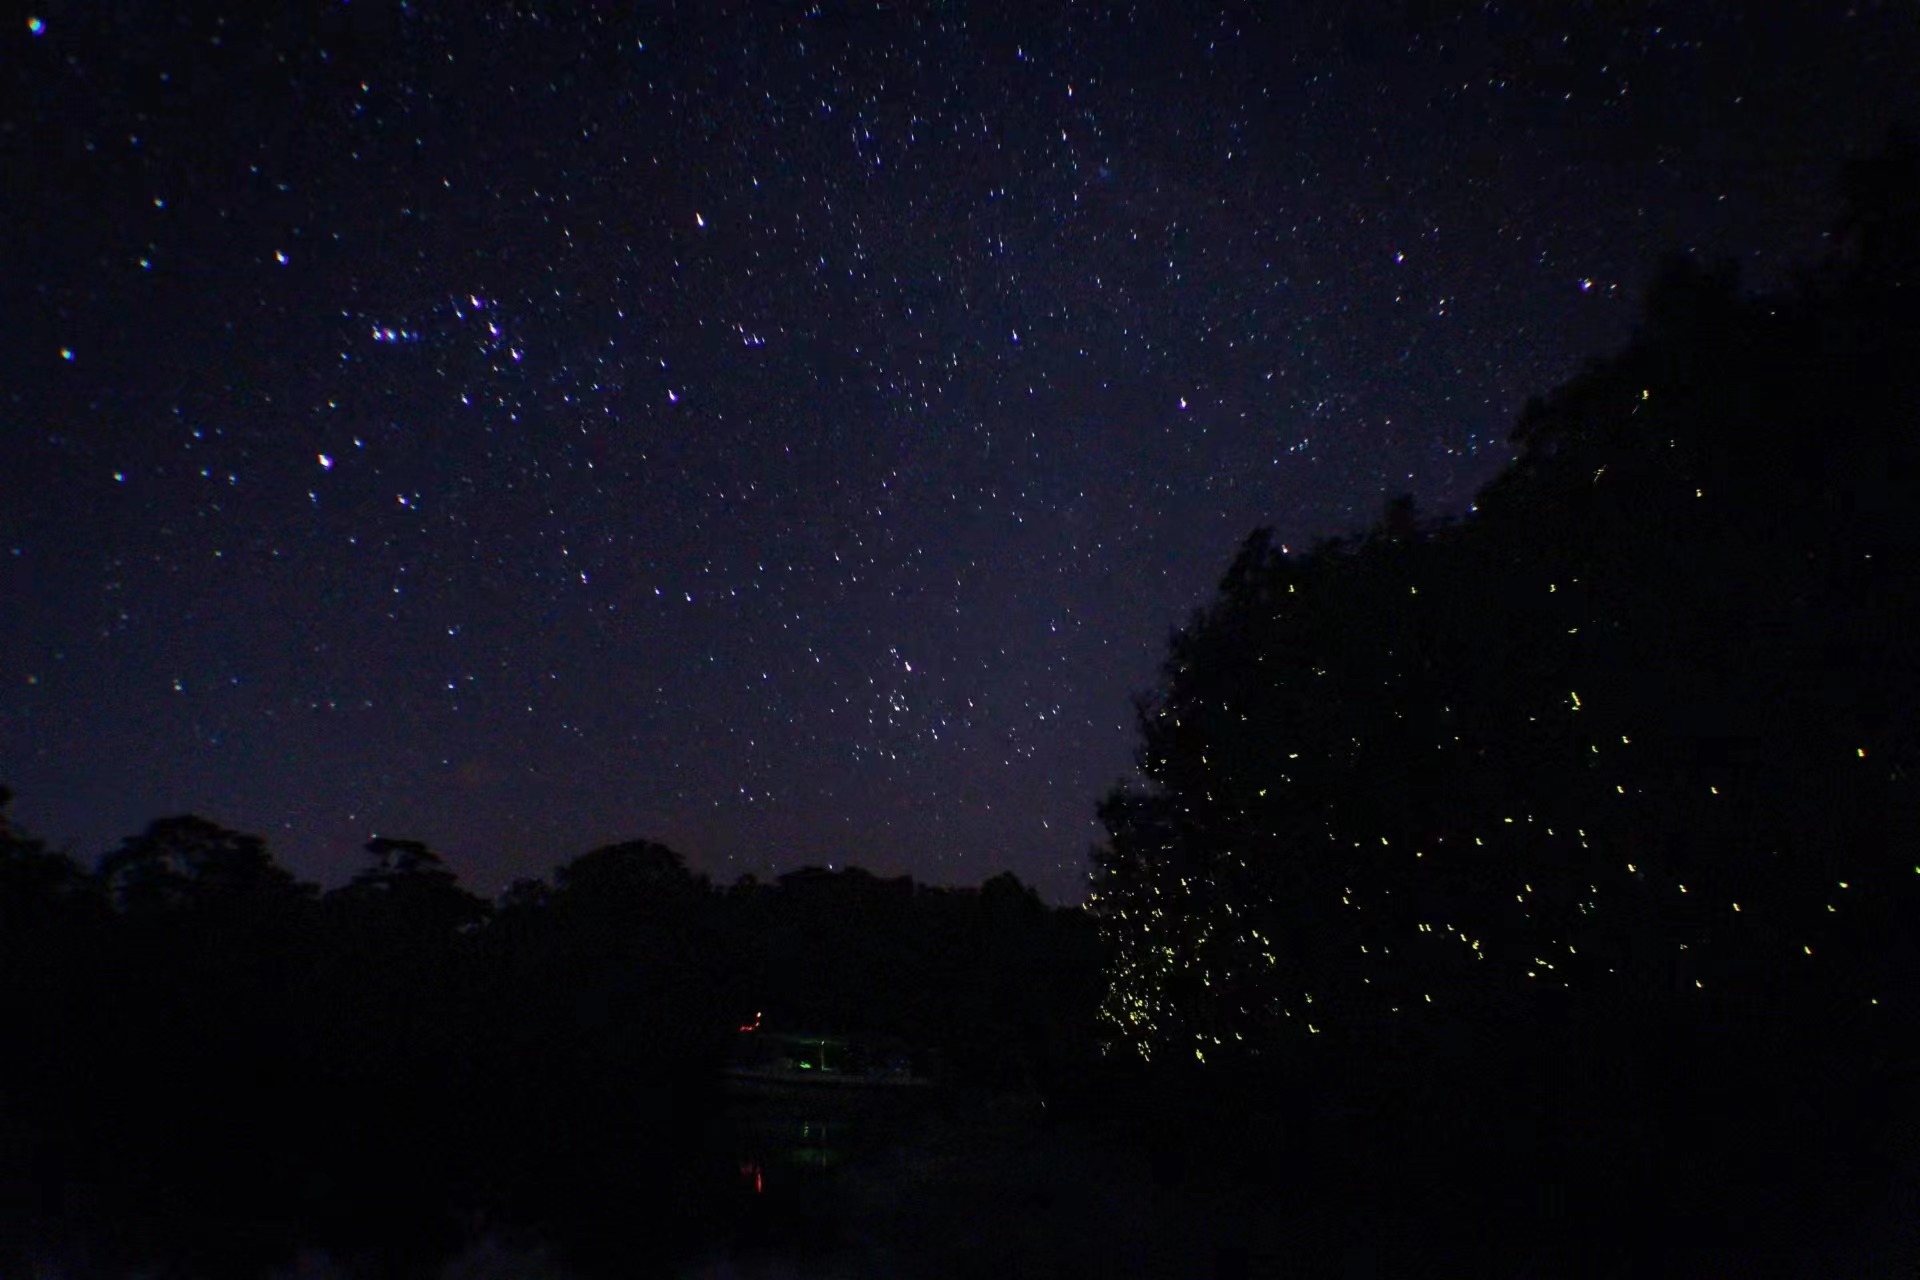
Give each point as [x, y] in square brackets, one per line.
[791, 441]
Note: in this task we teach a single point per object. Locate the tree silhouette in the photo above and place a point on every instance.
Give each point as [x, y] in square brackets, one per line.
[1638, 729]
[189, 863]
[212, 1062]
[1592, 813]
[35, 882]
[408, 888]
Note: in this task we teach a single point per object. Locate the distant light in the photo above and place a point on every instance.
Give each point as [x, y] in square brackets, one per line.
[326, 462]
[35, 27]
[280, 257]
[66, 353]
[699, 221]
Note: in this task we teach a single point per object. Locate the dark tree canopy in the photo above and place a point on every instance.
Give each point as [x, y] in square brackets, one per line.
[186, 862]
[211, 1062]
[1641, 726]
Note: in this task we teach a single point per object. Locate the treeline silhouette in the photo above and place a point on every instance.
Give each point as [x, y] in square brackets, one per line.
[209, 1064]
[1567, 849]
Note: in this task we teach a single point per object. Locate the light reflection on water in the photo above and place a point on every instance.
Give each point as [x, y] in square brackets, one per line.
[784, 1142]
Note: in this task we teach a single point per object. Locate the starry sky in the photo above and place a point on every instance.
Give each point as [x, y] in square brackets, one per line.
[785, 431]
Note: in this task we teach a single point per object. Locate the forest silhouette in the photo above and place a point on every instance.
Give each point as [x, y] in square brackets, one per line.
[1570, 845]
[1551, 868]
[211, 1063]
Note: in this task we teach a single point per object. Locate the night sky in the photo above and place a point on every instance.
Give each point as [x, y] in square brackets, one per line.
[786, 432]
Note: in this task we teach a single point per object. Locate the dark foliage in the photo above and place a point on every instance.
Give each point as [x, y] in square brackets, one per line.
[211, 1064]
[1592, 812]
